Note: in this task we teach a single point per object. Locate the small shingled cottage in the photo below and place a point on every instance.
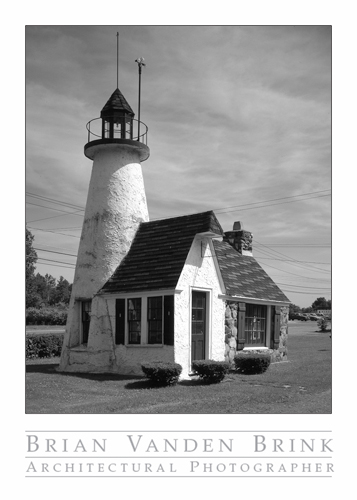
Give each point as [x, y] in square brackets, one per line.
[177, 289]
[188, 291]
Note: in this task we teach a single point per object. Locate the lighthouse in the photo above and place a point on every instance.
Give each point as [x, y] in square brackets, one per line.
[116, 205]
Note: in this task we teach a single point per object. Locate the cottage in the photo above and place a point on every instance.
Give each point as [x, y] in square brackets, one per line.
[177, 289]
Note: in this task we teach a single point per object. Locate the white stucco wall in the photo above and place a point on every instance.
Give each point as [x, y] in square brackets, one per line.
[199, 273]
[116, 204]
[102, 355]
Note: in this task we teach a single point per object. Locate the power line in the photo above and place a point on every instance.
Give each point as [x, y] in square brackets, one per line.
[58, 261]
[301, 261]
[300, 245]
[55, 216]
[54, 232]
[273, 199]
[300, 286]
[52, 200]
[303, 293]
[50, 208]
[309, 268]
[52, 251]
[54, 265]
[272, 204]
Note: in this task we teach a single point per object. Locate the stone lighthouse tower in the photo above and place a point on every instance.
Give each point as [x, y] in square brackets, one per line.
[116, 205]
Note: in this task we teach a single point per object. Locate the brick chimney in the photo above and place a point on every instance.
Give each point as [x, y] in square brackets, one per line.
[240, 239]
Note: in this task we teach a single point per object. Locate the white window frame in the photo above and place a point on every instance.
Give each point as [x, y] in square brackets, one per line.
[144, 320]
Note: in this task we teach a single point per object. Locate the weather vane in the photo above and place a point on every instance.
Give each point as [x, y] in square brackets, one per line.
[141, 63]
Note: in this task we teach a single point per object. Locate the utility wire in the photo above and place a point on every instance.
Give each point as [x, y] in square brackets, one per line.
[52, 200]
[50, 208]
[271, 205]
[300, 286]
[223, 209]
[54, 232]
[309, 268]
[52, 251]
[55, 216]
[301, 261]
[55, 265]
[58, 261]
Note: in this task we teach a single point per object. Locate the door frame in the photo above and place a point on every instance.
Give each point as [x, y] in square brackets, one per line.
[207, 333]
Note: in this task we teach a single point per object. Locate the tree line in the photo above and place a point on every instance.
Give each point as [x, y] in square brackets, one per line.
[41, 290]
[319, 303]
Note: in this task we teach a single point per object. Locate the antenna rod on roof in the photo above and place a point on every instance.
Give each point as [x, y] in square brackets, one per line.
[117, 59]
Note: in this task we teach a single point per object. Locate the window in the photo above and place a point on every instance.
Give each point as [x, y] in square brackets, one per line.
[255, 324]
[154, 320]
[86, 310]
[134, 321]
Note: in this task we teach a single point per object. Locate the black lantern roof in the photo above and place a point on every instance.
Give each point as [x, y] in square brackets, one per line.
[116, 104]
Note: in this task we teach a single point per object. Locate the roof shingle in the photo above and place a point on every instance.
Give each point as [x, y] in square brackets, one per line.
[158, 253]
[244, 277]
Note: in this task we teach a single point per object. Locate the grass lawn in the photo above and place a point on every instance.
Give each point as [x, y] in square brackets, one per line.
[301, 385]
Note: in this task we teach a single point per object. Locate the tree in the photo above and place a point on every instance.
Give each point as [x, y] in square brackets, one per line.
[45, 288]
[306, 309]
[321, 303]
[62, 292]
[293, 309]
[31, 259]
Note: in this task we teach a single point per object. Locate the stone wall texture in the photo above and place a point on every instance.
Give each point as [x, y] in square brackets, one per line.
[231, 334]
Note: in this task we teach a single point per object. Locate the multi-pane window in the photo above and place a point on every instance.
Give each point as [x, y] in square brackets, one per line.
[255, 324]
[154, 320]
[134, 321]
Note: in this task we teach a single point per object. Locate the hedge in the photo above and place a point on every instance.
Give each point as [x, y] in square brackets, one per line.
[46, 316]
[251, 362]
[160, 373]
[44, 346]
[210, 371]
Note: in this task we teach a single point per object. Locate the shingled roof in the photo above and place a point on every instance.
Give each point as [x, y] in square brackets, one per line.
[244, 277]
[116, 102]
[158, 253]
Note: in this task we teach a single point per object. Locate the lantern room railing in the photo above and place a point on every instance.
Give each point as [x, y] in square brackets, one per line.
[122, 130]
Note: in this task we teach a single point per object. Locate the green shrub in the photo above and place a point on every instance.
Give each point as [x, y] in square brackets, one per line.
[46, 316]
[323, 324]
[250, 362]
[44, 346]
[210, 371]
[160, 373]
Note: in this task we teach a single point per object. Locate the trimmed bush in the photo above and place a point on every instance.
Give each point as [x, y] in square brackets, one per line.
[160, 373]
[251, 362]
[46, 316]
[323, 324]
[210, 371]
[44, 346]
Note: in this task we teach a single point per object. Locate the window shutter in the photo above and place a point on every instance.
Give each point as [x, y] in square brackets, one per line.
[241, 326]
[276, 335]
[169, 319]
[120, 321]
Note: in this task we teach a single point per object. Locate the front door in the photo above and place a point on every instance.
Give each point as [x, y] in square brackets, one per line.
[198, 325]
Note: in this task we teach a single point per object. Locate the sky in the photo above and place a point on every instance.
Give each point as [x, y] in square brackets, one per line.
[239, 121]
